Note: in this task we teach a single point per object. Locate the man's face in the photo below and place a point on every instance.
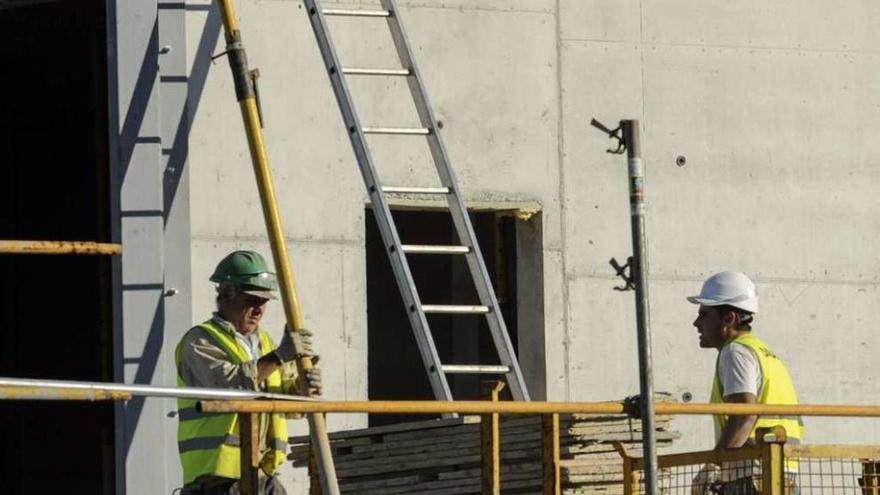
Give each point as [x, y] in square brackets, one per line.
[246, 311]
[710, 326]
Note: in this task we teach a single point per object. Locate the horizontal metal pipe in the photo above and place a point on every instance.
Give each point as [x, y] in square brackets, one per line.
[70, 386]
[535, 407]
[768, 409]
[416, 407]
[41, 393]
[58, 247]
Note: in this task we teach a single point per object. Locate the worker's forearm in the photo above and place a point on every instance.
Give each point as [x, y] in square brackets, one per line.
[736, 432]
[266, 365]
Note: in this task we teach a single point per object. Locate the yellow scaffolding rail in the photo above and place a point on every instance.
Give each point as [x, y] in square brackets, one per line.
[533, 407]
[59, 247]
[821, 468]
[770, 452]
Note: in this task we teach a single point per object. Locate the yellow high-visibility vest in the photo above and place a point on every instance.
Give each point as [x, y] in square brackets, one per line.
[777, 388]
[209, 443]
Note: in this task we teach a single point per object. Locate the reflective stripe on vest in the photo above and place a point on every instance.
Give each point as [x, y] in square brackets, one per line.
[776, 388]
[209, 443]
[204, 443]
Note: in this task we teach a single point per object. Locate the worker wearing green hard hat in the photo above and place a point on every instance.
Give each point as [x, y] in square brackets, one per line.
[248, 271]
[230, 350]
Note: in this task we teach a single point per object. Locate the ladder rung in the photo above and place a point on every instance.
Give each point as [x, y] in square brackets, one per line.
[360, 71]
[454, 309]
[412, 131]
[475, 369]
[415, 190]
[424, 249]
[357, 13]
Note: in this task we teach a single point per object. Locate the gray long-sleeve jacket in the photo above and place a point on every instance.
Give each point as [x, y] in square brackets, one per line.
[203, 363]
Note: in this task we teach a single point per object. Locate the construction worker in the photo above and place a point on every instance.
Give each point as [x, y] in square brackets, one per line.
[746, 371]
[231, 351]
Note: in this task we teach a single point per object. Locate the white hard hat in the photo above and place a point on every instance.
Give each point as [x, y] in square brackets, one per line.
[728, 288]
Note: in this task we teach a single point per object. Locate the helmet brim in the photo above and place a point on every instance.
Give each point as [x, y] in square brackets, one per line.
[265, 294]
[750, 306]
[703, 301]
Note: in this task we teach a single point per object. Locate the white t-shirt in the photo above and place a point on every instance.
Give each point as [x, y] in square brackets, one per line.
[739, 372]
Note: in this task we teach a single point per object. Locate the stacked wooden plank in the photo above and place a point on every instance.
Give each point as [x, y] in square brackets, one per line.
[442, 457]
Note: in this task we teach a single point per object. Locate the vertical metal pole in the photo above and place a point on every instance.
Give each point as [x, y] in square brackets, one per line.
[245, 93]
[772, 459]
[490, 439]
[249, 435]
[631, 136]
[869, 481]
[630, 483]
[550, 454]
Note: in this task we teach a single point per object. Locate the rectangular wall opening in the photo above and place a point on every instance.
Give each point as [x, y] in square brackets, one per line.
[395, 367]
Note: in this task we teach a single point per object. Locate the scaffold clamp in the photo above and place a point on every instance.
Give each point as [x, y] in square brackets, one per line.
[613, 134]
[624, 272]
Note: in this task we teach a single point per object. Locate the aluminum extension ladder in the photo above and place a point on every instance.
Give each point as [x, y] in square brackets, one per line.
[398, 252]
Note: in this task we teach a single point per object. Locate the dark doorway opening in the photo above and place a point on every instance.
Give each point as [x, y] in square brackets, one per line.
[55, 311]
[395, 367]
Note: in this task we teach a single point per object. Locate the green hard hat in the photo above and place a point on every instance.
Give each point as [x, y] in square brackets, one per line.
[248, 271]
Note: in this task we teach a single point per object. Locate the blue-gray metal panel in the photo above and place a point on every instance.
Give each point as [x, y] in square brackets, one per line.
[148, 154]
[174, 130]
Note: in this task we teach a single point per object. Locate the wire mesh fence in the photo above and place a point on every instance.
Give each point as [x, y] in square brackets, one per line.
[838, 469]
[734, 478]
[801, 470]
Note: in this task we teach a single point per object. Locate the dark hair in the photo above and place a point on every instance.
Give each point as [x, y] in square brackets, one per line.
[224, 291]
[744, 317]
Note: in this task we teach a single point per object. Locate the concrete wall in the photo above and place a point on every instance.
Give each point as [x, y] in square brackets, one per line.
[772, 105]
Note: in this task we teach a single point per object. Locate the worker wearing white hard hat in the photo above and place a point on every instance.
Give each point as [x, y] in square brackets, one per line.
[746, 371]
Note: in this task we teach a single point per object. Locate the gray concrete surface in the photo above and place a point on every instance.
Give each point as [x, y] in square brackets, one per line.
[773, 104]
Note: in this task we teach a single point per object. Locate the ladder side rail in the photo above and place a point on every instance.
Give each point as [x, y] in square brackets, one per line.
[382, 212]
[476, 264]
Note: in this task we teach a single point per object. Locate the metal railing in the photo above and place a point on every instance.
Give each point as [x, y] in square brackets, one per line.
[771, 467]
[821, 469]
[59, 247]
[827, 469]
[677, 472]
[743, 471]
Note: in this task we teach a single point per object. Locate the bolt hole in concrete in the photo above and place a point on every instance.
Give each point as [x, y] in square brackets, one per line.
[681, 160]
[686, 397]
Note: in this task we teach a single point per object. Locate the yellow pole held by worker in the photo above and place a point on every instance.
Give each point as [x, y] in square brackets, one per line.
[246, 96]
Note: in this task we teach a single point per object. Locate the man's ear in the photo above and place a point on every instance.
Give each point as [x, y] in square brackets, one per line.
[731, 319]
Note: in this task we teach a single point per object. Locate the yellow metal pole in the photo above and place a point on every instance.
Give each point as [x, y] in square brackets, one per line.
[58, 247]
[249, 434]
[246, 96]
[630, 472]
[490, 439]
[769, 409]
[42, 393]
[869, 479]
[550, 454]
[533, 407]
[772, 460]
[412, 407]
